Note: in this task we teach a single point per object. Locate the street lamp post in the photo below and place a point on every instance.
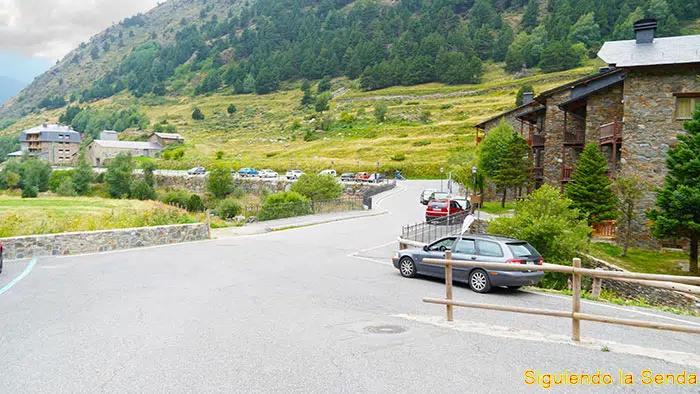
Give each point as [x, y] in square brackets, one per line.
[474, 169]
[442, 170]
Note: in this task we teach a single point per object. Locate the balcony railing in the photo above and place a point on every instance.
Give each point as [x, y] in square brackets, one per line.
[611, 132]
[606, 229]
[566, 174]
[537, 141]
[573, 138]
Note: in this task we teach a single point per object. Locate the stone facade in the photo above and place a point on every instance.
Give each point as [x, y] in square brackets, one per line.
[632, 291]
[554, 124]
[602, 108]
[101, 241]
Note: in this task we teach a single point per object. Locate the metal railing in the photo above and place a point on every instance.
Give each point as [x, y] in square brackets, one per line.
[573, 138]
[677, 283]
[385, 185]
[435, 229]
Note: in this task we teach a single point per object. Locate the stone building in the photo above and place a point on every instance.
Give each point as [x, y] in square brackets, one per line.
[52, 143]
[100, 152]
[165, 139]
[633, 109]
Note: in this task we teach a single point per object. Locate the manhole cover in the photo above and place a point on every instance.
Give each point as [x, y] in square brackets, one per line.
[386, 329]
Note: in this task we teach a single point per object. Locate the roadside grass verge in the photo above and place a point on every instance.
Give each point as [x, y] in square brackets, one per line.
[665, 262]
[52, 215]
[494, 207]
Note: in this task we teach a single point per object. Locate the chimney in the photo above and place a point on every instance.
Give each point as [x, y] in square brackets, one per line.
[645, 30]
[528, 97]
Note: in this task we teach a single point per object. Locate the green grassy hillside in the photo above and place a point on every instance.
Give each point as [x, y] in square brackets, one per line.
[427, 126]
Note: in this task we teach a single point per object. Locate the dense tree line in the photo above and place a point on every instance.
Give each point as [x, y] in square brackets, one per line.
[407, 43]
[93, 121]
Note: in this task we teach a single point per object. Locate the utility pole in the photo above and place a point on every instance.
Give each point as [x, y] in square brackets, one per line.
[442, 170]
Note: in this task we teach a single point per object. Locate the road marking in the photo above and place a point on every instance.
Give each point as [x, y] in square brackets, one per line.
[371, 260]
[527, 335]
[615, 307]
[21, 276]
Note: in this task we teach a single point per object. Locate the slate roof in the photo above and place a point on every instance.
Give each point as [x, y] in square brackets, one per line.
[52, 133]
[169, 136]
[128, 145]
[663, 51]
[481, 125]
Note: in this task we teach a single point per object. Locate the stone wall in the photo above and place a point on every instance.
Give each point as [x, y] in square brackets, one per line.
[602, 108]
[101, 241]
[632, 291]
[554, 133]
[650, 127]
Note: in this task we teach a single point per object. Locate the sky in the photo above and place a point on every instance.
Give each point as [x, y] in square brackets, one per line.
[43, 31]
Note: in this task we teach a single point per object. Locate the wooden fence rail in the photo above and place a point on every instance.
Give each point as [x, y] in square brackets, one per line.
[678, 283]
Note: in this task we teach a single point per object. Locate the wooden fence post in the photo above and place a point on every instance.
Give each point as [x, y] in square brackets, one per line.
[448, 285]
[597, 286]
[576, 302]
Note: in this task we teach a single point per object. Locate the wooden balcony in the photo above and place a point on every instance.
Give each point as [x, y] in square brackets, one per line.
[566, 174]
[536, 141]
[573, 138]
[605, 229]
[611, 133]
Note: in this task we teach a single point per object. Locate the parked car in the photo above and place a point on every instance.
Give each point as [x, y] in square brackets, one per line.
[437, 209]
[425, 196]
[376, 178]
[347, 177]
[268, 174]
[362, 176]
[1, 250]
[246, 172]
[438, 196]
[484, 248]
[196, 171]
[294, 174]
[328, 172]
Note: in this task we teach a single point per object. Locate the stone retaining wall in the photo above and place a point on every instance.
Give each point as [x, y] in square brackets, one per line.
[101, 241]
[632, 291]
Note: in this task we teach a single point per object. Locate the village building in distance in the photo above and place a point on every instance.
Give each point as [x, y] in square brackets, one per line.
[633, 109]
[51, 143]
[101, 152]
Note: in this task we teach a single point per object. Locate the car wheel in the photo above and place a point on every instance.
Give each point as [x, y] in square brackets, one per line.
[479, 281]
[514, 288]
[407, 267]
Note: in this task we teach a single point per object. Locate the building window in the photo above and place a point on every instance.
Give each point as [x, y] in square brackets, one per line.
[685, 106]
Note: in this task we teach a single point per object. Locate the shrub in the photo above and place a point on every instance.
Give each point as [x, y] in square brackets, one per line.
[424, 116]
[82, 177]
[380, 110]
[231, 109]
[30, 192]
[219, 154]
[220, 182]
[446, 106]
[398, 157]
[227, 209]
[195, 204]
[284, 205]
[197, 114]
[142, 191]
[546, 220]
[119, 176]
[57, 177]
[421, 143]
[317, 187]
[177, 197]
[66, 188]
[239, 192]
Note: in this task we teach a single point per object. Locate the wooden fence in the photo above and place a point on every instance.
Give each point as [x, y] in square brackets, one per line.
[685, 284]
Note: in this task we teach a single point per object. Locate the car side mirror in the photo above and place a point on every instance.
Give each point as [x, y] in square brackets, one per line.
[425, 248]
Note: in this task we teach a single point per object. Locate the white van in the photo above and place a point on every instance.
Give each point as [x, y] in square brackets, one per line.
[328, 172]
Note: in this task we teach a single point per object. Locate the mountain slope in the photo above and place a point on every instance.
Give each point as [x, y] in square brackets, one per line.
[9, 88]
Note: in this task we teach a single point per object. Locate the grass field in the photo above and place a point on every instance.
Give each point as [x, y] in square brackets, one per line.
[641, 260]
[50, 215]
[427, 127]
[494, 207]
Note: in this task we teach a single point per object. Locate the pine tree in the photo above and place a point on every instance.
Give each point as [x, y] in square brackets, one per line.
[529, 21]
[308, 97]
[324, 85]
[591, 189]
[231, 109]
[678, 213]
[82, 177]
[629, 191]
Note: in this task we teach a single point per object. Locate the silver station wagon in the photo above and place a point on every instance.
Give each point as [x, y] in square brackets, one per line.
[485, 248]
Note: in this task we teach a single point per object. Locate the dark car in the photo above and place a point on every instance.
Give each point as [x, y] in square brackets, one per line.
[347, 177]
[483, 248]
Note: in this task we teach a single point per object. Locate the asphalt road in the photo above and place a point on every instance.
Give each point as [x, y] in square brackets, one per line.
[299, 311]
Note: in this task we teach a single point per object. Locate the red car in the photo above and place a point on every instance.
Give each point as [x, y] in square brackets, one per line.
[362, 176]
[442, 208]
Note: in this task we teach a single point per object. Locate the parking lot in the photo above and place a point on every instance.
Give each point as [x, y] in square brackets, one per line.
[312, 309]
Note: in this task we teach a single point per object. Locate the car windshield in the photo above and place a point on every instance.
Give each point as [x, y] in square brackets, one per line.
[439, 195]
[523, 249]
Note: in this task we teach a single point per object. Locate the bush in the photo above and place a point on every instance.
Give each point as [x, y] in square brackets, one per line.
[177, 197]
[239, 192]
[398, 157]
[197, 114]
[66, 188]
[57, 177]
[195, 204]
[30, 192]
[220, 182]
[546, 220]
[231, 109]
[219, 154]
[227, 209]
[317, 187]
[284, 205]
[119, 176]
[421, 143]
[142, 191]
[380, 110]
[424, 116]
